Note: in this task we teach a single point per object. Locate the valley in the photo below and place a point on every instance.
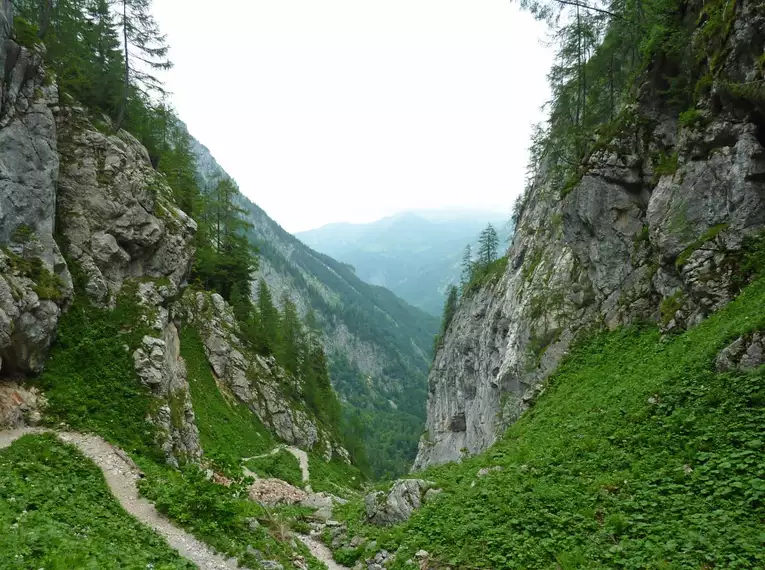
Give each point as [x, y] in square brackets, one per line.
[577, 385]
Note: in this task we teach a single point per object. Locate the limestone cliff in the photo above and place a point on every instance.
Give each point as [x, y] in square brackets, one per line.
[653, 231]
[34, 280]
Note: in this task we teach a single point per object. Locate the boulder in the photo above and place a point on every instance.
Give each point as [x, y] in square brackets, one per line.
[745, 353]
[398, 504]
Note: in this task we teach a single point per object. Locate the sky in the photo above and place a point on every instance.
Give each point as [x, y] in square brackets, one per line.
[352, 110]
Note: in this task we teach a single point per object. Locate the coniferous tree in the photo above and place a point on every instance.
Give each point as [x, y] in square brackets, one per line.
[268, 316]
[290, 337]
[467, 266]
[143, 42]
[488, 245]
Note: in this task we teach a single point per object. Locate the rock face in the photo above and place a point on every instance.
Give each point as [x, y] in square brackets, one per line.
[116, 213]
[160, 367]
[257, 381]
[34, 281]
[631, 241]
[406, 496]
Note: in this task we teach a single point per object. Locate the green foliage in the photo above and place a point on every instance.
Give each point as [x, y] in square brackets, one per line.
[89, 379]
[46, 284]
[228, 430]
[56, 512]
[638, 455]
[24, 32]
[707, 236]
[488, 245]
[281, 465]
[670, 306]
[450, 308]
[484, 275]
[666, 165]
[334, 476]
[225, 258]
[218, 515]
[752, 258]
[691, 118]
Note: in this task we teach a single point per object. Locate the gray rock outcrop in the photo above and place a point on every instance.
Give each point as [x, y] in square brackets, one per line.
[654, 230]
[396, 506]
[34, 280]
[745, 353]
[116, 213]
[161, 368]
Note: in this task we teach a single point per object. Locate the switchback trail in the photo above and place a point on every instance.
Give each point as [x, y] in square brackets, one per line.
[299, 454]
[121, 475]
[320, 552]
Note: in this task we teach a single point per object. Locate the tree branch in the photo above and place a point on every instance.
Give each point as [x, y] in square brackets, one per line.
[586, 7]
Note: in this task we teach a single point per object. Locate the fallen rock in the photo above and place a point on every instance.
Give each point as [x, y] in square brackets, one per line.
[745, 353]
[486, 470]
[402, 500]
[275, 492]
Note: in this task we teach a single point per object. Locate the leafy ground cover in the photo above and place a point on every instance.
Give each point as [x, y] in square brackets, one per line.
[56, 512]
[639, 455]
[89, 379]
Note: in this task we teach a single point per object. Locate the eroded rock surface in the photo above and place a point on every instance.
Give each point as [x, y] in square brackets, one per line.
[745, 353]
[115, 210]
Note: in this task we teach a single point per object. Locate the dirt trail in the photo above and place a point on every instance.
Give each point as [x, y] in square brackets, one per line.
[320, 551]
[121, 475]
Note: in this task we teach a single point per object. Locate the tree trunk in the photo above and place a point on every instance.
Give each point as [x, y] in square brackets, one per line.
[126, 84]
[46, 8]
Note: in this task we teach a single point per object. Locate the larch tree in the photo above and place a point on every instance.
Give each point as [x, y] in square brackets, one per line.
[144, 49]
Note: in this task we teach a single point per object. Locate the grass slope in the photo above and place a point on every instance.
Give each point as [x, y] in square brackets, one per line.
[228, 430]
[639, 455]
[56, 512]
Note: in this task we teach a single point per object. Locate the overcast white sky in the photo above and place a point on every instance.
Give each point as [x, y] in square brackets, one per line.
[351, 110]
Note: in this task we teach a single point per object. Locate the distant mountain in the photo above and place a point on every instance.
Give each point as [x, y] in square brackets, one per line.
[379, 346]
[417, 255]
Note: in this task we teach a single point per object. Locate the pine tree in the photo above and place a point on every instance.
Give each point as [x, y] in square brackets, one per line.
[290, 342]
[467, 266]
[268, 316]
[488, 245]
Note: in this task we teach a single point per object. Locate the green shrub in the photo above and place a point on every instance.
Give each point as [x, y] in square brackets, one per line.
[334, 476]
[89, 379]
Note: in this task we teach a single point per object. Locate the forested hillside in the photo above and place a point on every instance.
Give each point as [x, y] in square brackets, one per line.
[379, 347]
[417, 255]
